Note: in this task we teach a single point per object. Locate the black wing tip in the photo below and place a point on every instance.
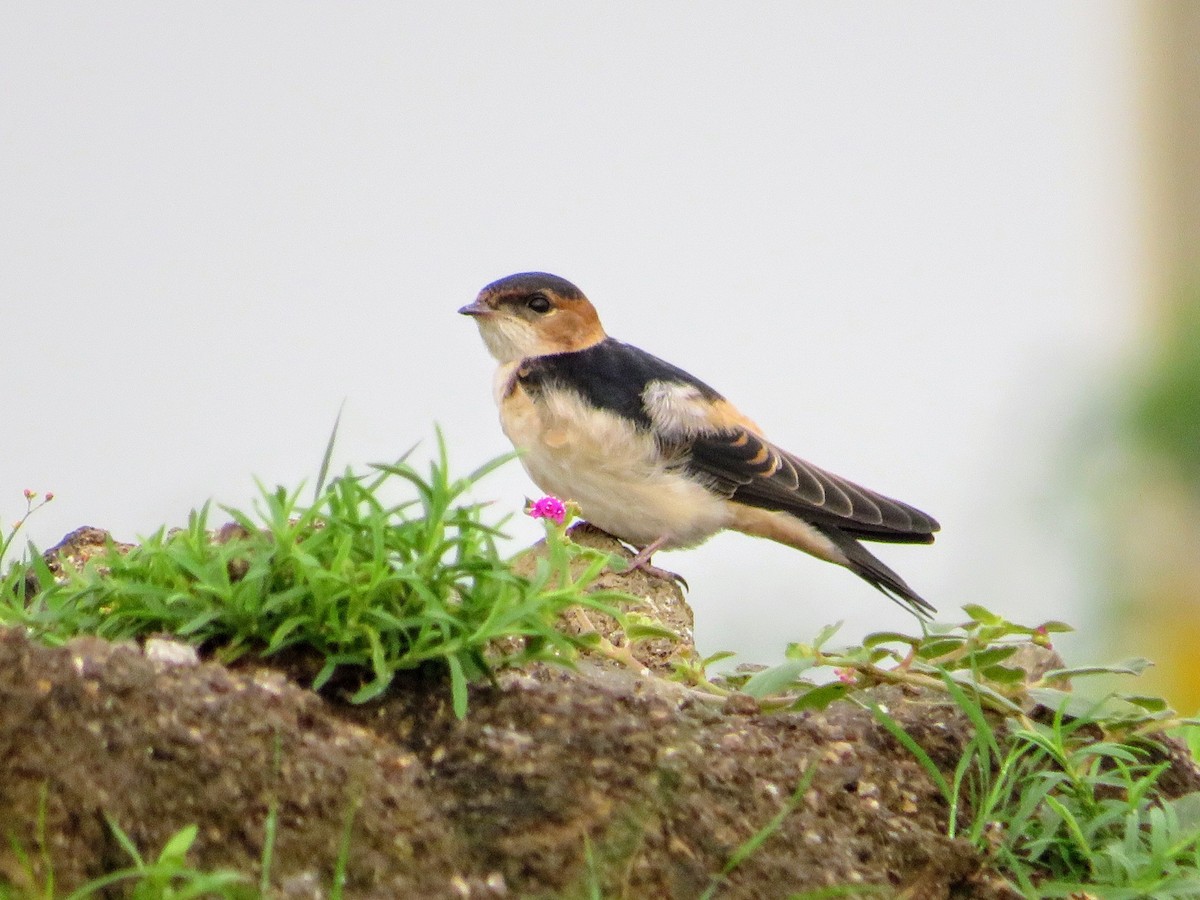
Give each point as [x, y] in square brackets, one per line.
[918, 533]
[920, 527]
[926, 536]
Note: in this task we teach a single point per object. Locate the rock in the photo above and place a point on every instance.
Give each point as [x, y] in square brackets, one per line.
[658, 786]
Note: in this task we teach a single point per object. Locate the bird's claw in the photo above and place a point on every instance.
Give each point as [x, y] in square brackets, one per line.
[643, 565]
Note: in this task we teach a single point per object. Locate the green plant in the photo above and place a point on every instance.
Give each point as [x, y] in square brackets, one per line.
[1067, 802]
[1089, 812]
[976, 655]
[168, 877]
[341, 865]
[32, 504]
[1063, 813]
[381, 572]
[750, 846]
[25, 863]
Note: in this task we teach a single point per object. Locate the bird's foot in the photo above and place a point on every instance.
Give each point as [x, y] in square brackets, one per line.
[664, 574]
[642, 561]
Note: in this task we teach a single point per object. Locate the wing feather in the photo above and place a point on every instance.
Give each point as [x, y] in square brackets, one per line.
[750, 469]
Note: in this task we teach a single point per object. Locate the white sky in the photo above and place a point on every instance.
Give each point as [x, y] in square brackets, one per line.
[900, 237]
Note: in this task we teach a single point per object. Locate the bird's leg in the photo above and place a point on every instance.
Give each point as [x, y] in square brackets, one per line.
[642, 561]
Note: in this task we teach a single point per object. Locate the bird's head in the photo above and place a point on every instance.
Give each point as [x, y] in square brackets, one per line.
[534, 314]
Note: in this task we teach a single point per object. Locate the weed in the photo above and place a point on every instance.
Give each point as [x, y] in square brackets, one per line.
[370, 583]
[32, 504]
[751, 845]
[168, 877]
[1066, 803]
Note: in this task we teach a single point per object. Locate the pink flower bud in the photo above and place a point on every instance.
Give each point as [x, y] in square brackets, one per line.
[547, 508]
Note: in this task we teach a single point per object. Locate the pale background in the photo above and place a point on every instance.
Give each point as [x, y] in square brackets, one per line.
[901, 237]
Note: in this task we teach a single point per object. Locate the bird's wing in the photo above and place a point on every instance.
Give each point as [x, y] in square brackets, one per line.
[701, 431]
[715, 442]
[752, 470]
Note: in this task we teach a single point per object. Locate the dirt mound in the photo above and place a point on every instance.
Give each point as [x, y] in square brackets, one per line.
[656, 786]
[602, 781]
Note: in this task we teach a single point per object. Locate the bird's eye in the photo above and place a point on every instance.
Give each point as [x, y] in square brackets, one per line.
[538, 303]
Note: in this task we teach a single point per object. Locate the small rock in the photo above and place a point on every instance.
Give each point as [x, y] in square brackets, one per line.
[738, 704]
[302, 886]
[166, 653]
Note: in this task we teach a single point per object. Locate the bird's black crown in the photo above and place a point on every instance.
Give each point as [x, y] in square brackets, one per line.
[531, 282]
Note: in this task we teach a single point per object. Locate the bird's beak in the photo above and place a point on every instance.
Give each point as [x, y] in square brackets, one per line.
[478, 308]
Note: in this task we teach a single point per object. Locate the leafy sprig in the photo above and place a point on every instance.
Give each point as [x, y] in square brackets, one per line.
[383, 571]
[985, 655]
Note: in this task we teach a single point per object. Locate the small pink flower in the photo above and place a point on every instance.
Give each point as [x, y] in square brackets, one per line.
[1041, 637]
[547, 508]
[846, 676]
[29, 495]
[49, 496]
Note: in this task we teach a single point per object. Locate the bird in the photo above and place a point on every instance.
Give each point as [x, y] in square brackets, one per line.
[657, 458]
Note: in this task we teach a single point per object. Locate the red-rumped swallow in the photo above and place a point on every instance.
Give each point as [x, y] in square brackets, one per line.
[656, 457]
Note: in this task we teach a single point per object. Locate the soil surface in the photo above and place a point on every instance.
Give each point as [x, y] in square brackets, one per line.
[606, 781]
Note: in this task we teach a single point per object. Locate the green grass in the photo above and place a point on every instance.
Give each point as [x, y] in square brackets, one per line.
[1064, 813]
[166, 877]
[382, 572]
[1065, 803]
[751, 845]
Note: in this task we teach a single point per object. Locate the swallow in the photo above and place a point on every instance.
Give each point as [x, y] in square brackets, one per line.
[656, 457]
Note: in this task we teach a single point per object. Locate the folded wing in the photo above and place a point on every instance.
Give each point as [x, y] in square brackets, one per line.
[749, 469]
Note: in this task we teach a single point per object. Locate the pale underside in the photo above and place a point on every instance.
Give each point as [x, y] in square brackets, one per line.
[619, 475]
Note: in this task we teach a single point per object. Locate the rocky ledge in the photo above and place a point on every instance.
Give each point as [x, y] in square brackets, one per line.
[603, 781]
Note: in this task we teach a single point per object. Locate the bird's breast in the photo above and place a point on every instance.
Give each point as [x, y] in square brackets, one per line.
[607, 463]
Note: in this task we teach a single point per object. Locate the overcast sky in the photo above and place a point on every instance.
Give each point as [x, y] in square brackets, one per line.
[900, 237]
